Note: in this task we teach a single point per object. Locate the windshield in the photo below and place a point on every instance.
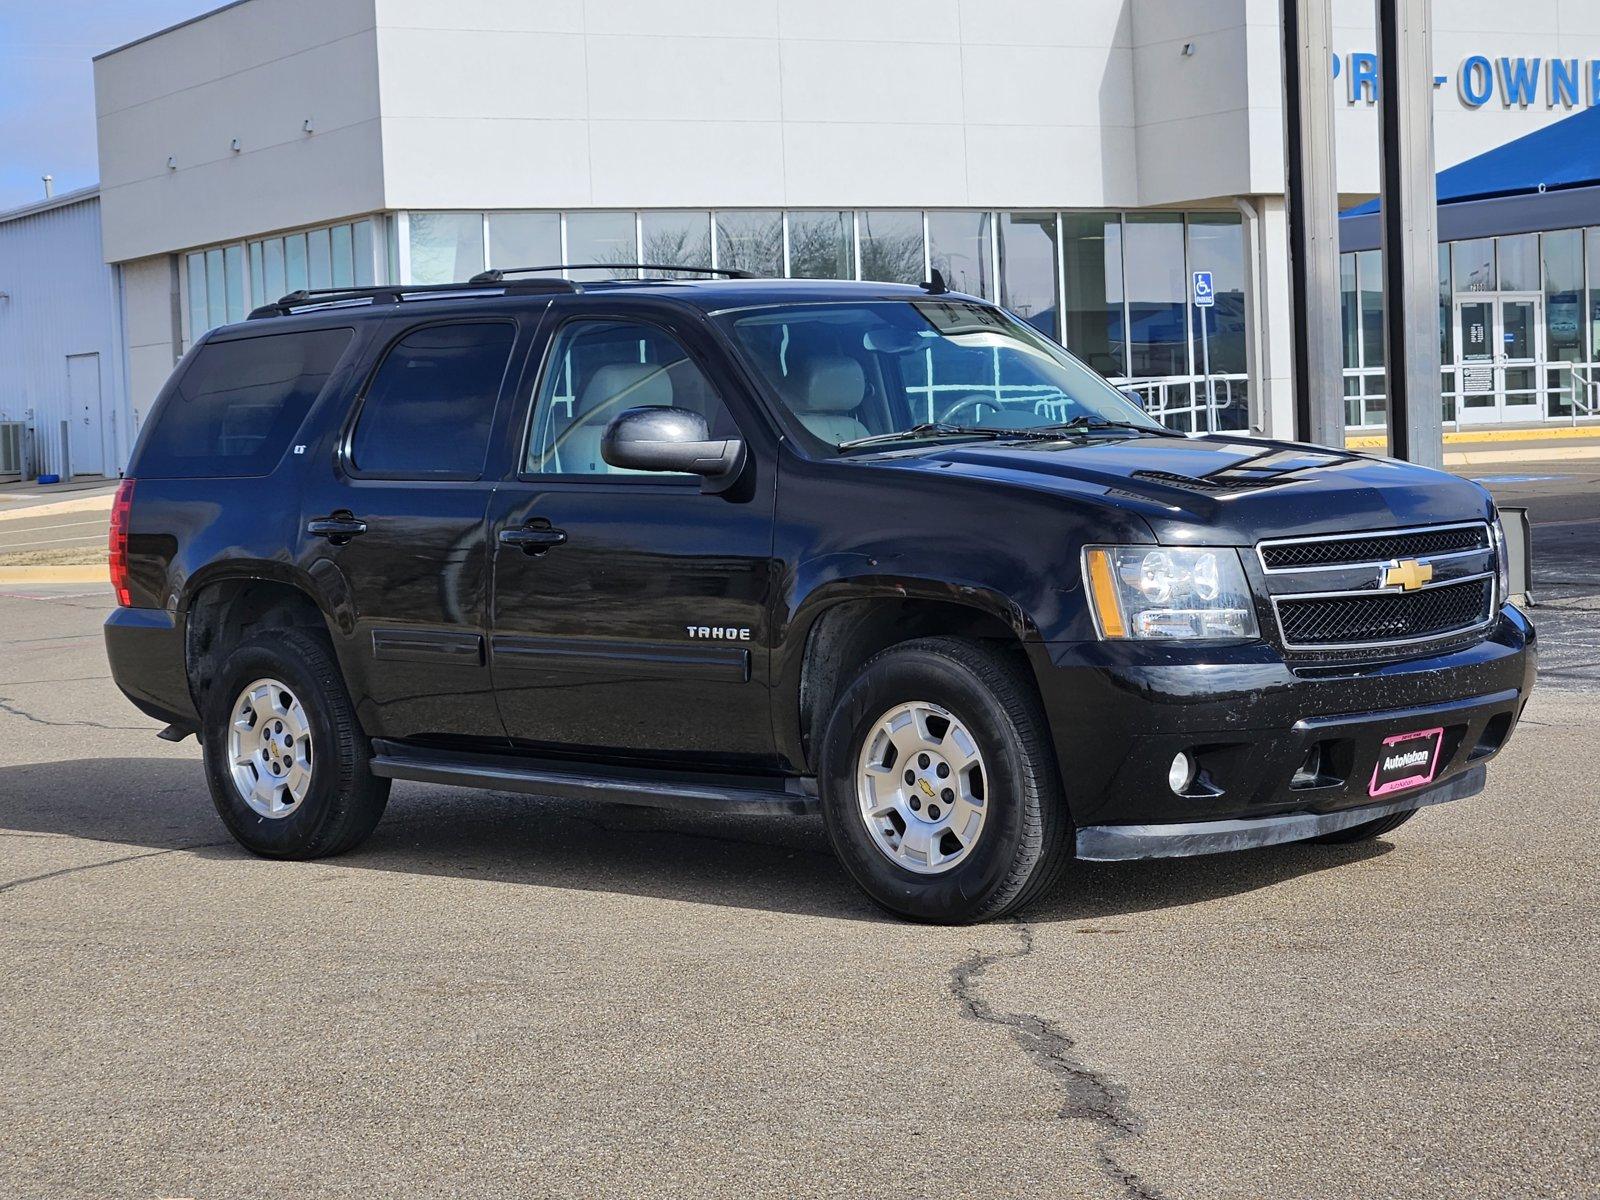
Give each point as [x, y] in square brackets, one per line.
[882, 369]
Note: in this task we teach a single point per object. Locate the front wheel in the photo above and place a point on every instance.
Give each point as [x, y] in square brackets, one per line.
[285, 757]
[939, 786]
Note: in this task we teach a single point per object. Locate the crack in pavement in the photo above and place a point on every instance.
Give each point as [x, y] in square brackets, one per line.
[11, 885]
[7, 705]
[1090, 1096]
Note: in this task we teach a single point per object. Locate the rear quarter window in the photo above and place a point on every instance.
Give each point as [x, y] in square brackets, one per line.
[235, 408]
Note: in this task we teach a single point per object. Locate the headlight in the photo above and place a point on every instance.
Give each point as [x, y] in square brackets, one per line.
[1158, 592]
[1502, 562]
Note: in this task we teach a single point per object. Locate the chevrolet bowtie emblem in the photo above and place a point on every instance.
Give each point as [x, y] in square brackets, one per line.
[926, 787]
[1407, 574]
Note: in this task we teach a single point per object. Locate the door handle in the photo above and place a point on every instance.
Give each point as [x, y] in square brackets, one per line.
[338, 529]
[533, 539]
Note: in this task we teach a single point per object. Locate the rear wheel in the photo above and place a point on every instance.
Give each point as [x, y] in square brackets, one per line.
[286, 761]
[939, 786]
[1366, 832]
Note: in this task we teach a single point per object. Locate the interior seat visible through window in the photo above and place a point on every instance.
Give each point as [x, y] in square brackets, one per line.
[827, 395]
[595, 372]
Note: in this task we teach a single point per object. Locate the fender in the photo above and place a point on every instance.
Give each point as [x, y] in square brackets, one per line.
[820, 585]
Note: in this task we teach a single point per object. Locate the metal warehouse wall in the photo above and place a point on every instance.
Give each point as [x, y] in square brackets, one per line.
[60, 357]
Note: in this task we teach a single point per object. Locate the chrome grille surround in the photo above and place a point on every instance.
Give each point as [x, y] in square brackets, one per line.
[1344, 605]
[1428, 543]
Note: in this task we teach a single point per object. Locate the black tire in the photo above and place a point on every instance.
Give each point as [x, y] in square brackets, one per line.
[1025, 840]
[344, 800]
[1367, 831]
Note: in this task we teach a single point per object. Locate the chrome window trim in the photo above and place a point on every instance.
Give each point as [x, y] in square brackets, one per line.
[1443, 635]
[1354, 535]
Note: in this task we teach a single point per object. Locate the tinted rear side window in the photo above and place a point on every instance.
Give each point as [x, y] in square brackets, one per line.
[236, 407]
[431, 404]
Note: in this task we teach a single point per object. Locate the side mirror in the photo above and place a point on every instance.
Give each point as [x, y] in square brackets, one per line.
[672, 439]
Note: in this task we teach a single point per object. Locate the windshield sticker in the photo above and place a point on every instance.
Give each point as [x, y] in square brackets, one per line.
[953, 317]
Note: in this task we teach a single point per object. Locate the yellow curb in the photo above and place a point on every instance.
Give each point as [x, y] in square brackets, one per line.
[94, 574]
[1550, 454]
[82, 504]
[1377, 441]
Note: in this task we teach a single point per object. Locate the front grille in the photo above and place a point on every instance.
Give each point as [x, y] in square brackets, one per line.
[1374, 547]
[1357, 619]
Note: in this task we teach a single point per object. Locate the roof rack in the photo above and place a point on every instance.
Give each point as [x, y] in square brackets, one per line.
[496, 274]
[310, 298]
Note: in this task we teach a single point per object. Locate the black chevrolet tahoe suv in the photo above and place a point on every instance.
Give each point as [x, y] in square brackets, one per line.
[746, 545]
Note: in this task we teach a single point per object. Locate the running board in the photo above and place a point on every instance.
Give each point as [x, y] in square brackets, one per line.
[745, 795]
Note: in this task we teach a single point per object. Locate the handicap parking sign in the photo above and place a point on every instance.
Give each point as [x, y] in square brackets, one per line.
[1204, 295]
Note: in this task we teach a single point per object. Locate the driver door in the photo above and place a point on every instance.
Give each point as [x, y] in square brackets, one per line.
[629, 609]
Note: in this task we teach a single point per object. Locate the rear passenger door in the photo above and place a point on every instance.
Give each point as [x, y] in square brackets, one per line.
[396, 525]
[630, 611]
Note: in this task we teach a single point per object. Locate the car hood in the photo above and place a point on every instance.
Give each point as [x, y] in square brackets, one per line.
[1220, 490]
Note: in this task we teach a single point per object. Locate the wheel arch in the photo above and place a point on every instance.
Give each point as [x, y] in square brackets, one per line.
[224, 607]
[842, 627]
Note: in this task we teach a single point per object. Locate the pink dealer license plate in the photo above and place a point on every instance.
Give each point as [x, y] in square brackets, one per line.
[1406, 760]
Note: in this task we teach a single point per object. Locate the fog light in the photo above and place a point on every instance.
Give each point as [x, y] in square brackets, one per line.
[1181, 773]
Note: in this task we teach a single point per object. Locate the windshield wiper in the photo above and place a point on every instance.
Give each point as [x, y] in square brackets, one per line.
[1089, 424]
[930, 429]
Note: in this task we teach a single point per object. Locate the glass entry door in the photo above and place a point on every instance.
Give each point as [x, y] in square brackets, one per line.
[1499, 352]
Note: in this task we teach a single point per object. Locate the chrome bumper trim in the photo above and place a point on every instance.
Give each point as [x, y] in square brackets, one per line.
[1121, 843]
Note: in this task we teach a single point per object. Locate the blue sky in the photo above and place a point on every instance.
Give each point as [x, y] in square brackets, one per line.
[47, 85]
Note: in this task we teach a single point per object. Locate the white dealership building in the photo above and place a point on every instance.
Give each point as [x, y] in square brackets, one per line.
[1076, 161]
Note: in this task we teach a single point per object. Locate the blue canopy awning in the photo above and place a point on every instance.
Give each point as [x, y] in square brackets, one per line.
[1563, 155]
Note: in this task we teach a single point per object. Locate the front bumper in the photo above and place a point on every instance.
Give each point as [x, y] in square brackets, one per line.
[1181, 839]
[1120, 712]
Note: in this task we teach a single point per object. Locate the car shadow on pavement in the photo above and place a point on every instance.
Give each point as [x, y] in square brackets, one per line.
[777, 864]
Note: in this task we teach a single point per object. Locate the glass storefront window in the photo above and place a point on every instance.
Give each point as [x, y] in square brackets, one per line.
[233, 267]
[294, 262]
[519, 239]
[272, 269]
[751, 241]
[319, 258]
[1091, 245]
[678, 239]
[959, 249]
[344, 265]
[216, 290]
[257, 276]
[1158, 294]
[891, 247]
[1591, 239]
[1369, 278]
[1349, 313]
[199, 317]
[1472, 263]
[361, 237]
[1519, 262]
[822, 245]
[1562, 253]
[1446, 336]
[1216, 244]
[1028, 269]
[447, 247]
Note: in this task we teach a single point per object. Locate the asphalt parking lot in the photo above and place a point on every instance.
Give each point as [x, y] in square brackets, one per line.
[497, 996]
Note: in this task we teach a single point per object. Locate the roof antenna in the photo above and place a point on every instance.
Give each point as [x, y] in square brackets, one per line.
[935, 285]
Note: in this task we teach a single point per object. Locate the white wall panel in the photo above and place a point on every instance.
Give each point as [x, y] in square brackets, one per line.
[59, 302]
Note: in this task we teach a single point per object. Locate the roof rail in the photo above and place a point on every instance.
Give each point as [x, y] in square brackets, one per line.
[496, 274]
[395, 293]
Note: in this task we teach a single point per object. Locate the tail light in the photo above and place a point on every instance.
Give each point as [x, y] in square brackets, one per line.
[121, 508]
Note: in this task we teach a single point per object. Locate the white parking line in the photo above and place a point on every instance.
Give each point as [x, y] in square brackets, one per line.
[91, 524]
[95, 537]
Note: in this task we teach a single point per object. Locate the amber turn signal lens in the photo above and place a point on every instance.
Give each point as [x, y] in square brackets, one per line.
[1103, 594]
